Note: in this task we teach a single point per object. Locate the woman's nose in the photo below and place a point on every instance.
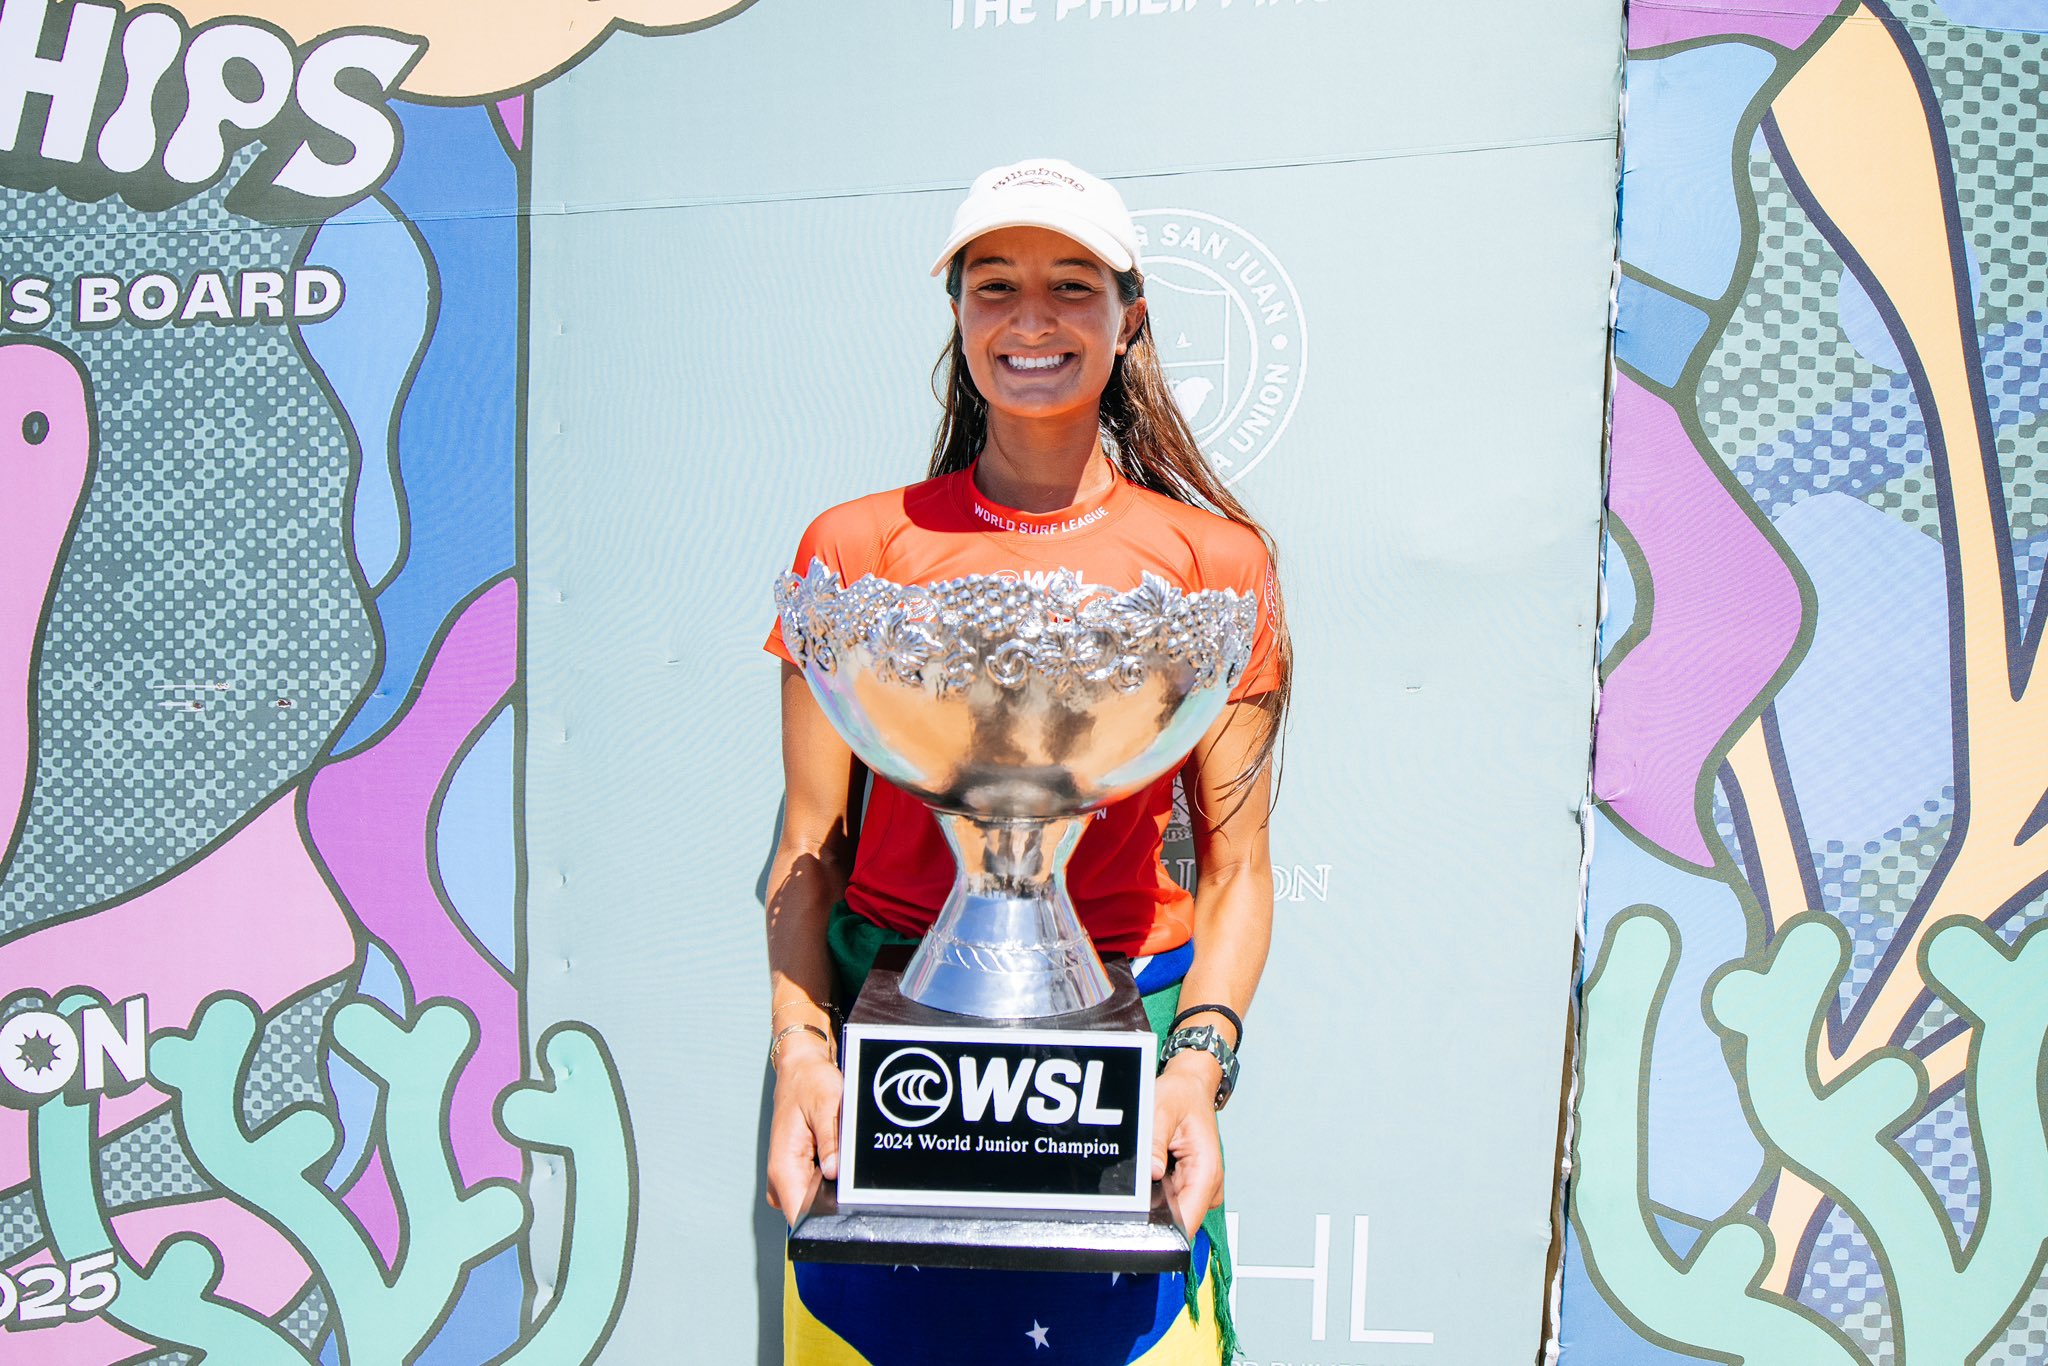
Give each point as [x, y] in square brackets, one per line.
[1034, 316]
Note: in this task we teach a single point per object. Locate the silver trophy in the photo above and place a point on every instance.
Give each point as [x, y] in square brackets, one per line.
[1015, 712]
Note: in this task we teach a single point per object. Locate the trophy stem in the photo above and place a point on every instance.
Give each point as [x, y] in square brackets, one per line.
[1008, 943]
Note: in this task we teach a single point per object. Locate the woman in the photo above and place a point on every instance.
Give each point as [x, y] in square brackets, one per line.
[1060, 449]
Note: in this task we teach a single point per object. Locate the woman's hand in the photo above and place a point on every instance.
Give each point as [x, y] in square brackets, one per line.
[803, 1135]
[807, 873]
[1187, 1153]
[1233, 924]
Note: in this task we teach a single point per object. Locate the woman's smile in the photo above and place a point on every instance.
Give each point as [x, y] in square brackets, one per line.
[1038, 364]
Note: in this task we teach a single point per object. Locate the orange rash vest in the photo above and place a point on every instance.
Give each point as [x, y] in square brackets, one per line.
[944, 528]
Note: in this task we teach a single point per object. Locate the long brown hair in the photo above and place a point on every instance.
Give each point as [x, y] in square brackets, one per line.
[1154, 449]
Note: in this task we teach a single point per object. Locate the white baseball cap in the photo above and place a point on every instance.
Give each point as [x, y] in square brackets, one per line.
[1046, 193]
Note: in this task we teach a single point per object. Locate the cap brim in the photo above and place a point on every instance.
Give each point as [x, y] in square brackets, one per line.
[1100, 244]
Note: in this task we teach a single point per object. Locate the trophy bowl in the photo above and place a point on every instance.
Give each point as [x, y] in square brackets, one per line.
[1014, 711]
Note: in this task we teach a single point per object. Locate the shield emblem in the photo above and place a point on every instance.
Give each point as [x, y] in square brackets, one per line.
[1192, 327]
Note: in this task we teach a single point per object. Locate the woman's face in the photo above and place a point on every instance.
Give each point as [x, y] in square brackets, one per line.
[1040, 322]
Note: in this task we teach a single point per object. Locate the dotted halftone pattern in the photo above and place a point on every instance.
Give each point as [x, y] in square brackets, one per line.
[1911, 497]
[1783, 356]
[1843, 1282]
[21, 1227]
[2025, 1339]
[2032, 561]
[148, 1163]
[1939, 1016]
[1870, 888]
[1994, 105]
[1941, 1144]
[1869, 1327]
[206, 635]
[284, 1069]
[1995, 108]
[1873, 445]
[306, 1317]
[2018, 922]
[1795, 410]
[143, 1164]
[1784, 360]
[2023, 449]
[1862, 446]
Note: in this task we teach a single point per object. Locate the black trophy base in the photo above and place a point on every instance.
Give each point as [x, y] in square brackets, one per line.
[984, 1239]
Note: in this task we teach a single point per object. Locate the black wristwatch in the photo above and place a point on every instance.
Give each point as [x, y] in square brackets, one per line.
[1204, 1039]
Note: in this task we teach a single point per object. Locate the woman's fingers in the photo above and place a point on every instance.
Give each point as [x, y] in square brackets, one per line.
[824, 1126]
[792, 1182]
[1187, 1154]
[1194, 1187]
[803, 1136]
[790, 1165]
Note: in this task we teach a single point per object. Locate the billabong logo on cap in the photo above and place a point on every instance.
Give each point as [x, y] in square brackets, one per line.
[1038, 175]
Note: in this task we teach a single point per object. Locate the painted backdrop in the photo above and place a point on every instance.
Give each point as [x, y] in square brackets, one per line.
[404, 411]
[1810, 1123]
[270, 1094]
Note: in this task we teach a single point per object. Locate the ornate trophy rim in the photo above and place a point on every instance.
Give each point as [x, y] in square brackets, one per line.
[1046, 669]
[1077, 636]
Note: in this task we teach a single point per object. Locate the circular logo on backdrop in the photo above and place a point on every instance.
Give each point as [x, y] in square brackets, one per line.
[913, 1087]
[1230, 333]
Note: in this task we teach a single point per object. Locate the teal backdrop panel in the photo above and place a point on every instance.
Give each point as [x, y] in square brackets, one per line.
[1380, 239]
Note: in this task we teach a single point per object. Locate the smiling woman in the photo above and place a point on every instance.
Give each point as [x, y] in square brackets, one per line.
[1060, 458]
[1041, 326]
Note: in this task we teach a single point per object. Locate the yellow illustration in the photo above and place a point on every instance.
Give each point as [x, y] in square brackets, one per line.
[474, 50]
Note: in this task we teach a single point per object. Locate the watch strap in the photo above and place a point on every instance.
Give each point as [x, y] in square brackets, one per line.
[1204, 1039]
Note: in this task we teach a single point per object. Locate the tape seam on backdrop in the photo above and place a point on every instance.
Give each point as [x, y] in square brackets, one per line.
[1604, 137]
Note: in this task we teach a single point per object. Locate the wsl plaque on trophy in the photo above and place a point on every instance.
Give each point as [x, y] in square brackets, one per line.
[1005, 1070]
[996, 1118]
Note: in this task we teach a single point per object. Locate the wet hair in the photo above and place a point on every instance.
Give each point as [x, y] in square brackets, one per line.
[1151, 445]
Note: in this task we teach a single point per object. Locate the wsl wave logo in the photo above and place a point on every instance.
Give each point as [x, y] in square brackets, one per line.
[1231, 336]
[913, 1087]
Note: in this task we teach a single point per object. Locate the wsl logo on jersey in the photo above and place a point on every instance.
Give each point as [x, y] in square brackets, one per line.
[1230, 332]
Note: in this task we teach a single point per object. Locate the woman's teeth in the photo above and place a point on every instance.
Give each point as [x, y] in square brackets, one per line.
[1034, 362]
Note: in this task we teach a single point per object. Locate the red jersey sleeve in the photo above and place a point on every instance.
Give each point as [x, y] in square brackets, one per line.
[844, 539]
[1262, 673]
